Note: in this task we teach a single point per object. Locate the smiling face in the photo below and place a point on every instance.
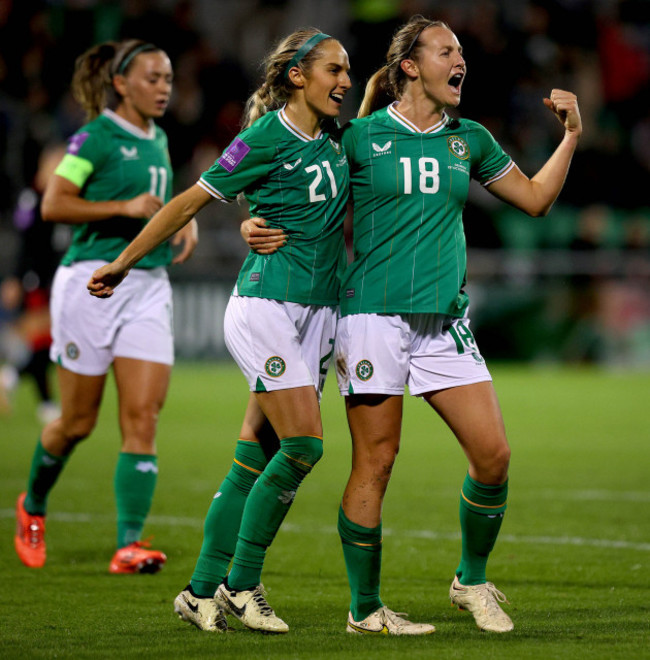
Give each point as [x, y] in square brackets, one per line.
[146, 87]
[437, 65]
[328, 80]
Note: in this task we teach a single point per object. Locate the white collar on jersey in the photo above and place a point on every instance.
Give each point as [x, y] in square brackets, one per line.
[131, 128]
[292, 128]
[400, 118]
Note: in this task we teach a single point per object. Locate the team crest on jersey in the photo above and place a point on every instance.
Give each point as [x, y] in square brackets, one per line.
[458, 147]
[364, 370]
[336, 145]
[275, 366]
[381, 149]
[129, 153]
[72, 350]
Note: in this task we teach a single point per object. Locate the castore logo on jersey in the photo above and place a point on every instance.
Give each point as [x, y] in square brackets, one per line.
[290, 166]
[129, 153]
[379, 150]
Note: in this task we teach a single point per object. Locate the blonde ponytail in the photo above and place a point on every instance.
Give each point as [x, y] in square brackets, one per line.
[276, 89]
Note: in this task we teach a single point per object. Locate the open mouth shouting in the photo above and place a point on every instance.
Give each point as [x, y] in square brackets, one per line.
[455, 82]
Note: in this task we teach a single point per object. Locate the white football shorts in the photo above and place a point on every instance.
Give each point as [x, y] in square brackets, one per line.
[279, 344]
[381, 353]
[135, 322]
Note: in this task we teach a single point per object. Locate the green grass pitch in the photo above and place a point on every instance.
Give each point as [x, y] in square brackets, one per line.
[573, 556]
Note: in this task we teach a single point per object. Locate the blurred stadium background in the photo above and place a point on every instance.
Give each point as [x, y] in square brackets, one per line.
[573, 287]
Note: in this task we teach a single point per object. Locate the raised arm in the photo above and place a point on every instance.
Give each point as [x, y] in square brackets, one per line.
[174, 215]
[536, 196]
[62, 203]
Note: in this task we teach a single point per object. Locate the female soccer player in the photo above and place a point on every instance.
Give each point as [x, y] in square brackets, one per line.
[281, 318]
[404, 308]
[114, 176]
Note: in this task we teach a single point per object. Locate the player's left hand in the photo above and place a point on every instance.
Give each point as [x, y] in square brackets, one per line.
[565, 107]
[103, 281]
[188, 238]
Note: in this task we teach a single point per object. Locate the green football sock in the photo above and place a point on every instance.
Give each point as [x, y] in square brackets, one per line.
[268, 504]
[481, 514]
[135, 482]
[44, 472]
[224, 518]
[362, 553]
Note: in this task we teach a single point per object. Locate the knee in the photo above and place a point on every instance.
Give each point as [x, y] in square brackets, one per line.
[77, 427]
[305, 450]
[377, 458]
[493, 469]
[140, 423]
[502, 460]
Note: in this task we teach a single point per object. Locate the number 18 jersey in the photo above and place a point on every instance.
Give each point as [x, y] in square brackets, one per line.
[409, 188]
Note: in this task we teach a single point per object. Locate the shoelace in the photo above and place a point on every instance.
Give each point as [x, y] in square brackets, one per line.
[397, 617]
[265, 608]
[35, 534]
[491, 596]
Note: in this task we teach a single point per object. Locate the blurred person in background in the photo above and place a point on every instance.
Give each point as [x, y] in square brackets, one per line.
[115, 175]
[24, 296]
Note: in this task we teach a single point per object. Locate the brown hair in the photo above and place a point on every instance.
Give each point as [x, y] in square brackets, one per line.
[390, 79]
[277, 88]
[92, 81]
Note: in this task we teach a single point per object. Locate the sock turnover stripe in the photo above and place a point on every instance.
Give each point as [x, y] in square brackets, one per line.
[246, 467]
[295, 460]
[482, 506]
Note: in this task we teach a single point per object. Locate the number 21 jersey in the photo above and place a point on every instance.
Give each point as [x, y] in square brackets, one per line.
[299, 184]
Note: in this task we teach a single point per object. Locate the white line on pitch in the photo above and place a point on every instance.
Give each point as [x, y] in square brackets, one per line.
[414, 533]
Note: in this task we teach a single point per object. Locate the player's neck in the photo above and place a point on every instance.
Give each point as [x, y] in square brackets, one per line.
[303, 118]
[130, 114]
[423, 113]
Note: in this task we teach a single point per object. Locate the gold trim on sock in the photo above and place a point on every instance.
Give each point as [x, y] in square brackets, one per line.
[482, 506]
[246, 467]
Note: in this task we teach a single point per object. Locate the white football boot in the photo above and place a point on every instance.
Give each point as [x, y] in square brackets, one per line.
[204, 613]
[386, 622]
[482, 600]
[251, 608]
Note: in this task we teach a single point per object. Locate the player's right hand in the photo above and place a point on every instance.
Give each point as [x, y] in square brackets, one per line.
[142, 206]
[103, 281]
[260, 238]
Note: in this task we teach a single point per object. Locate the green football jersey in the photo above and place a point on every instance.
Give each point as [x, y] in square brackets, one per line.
[296, 183]
[409, 188]
[110, 159]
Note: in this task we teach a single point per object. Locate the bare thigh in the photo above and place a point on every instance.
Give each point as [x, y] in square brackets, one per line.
[473, 414]
[292, 412]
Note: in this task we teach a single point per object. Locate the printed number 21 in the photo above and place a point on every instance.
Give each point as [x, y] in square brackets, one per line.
[313, 195]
